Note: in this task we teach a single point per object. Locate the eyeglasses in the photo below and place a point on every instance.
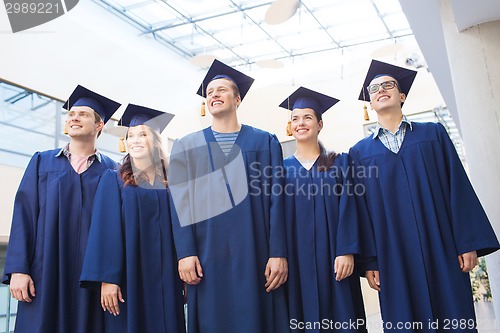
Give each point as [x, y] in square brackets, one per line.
[373, 88]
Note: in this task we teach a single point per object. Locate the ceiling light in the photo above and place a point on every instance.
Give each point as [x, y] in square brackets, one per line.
[203, 60]
[280, 11]
[387, 50]
[269, 63]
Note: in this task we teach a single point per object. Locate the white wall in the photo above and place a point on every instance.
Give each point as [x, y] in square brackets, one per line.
[10, 178]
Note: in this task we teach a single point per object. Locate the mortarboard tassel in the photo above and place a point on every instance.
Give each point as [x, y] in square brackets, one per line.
[289, 128]
[121, 145]
[367, 117]
[66, 126]
[203, 112]
[289, 124]
[365, 109]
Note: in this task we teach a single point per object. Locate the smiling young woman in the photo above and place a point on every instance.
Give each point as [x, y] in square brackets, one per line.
[322, 222]
[130, 248]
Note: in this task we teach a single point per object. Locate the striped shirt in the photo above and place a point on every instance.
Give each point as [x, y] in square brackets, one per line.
[393, 141]
[225, 140]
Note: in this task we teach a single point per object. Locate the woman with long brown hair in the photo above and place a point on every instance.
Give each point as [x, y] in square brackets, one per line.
[322, 226]
[130, 254]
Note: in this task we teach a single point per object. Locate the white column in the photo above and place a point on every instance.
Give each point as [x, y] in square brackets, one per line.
[474, 60]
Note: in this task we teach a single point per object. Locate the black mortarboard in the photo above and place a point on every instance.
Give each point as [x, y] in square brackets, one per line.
[306, 98]
[136, 115]
[219, 70]
[82, 96]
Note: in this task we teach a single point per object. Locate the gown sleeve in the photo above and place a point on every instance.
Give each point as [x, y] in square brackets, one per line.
[348, 240]
[105, 258]
[24, 223]
[277, 239]
[184, 239]
[366, 260]
[471, 227]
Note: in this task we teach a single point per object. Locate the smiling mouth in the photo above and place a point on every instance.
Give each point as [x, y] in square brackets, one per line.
[216, 103]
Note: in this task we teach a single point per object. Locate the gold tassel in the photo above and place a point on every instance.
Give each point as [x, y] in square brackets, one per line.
[367, 117]
[289, 124]
[289, 128]
[121, 145]
[203, 112]
[66, 128]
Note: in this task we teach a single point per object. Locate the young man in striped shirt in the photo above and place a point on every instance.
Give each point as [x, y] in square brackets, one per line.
[230, 234]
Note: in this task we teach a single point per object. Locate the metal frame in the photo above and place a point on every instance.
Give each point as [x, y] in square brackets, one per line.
[173, 43]
[42, 110]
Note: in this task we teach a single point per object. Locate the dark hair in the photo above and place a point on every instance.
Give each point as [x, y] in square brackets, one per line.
[158, 157]
[326, 158]
[397, 85]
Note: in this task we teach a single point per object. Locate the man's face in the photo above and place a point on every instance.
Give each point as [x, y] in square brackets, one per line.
[81, 122]
[385, 98]
[222, 97]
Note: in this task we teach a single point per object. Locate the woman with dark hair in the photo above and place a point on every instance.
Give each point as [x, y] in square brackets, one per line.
[130, 253]
[323, 226]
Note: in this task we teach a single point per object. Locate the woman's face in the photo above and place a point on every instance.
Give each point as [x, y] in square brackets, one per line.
[140, 142]
[305, 125]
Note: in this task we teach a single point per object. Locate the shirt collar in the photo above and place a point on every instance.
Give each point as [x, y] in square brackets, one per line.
[65, 151]
[379, 128]
[97, 155]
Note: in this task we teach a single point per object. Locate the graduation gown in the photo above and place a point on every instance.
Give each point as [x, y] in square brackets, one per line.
[50, 226]
[131, 245]
[424, 213]
[234, 225]
[322, 223]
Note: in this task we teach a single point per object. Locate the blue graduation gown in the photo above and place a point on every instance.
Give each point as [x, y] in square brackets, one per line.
[322, 223]
[48, 238]
[233, 246]
[131, 245]
[424, 213]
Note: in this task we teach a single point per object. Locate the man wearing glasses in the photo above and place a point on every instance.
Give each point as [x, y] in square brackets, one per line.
[428, 223]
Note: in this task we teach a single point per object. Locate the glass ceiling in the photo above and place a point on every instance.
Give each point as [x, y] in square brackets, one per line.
[234, 31]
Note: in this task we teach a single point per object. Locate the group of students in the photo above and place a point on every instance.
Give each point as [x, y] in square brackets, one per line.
[100, 247]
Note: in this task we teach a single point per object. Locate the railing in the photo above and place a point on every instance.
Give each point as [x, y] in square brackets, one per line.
[8, 310]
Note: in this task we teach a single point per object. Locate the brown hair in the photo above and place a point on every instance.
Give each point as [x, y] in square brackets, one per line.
[326, 158]
[158, 158]
[98, 119]
[235, 87]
